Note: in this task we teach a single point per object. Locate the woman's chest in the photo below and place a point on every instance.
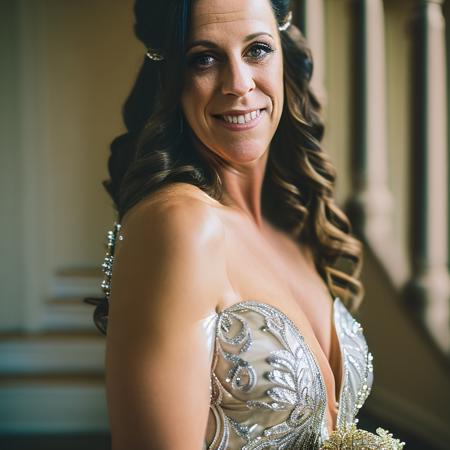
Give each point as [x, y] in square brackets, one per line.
[273, 268]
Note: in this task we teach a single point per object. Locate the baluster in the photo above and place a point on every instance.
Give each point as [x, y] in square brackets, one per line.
[371, 203]
[311, 20]
[428, 288]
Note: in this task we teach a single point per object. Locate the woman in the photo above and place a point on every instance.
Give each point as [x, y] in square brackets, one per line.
[229, 320]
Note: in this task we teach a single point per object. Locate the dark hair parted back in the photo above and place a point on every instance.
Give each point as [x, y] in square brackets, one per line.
[298, 189]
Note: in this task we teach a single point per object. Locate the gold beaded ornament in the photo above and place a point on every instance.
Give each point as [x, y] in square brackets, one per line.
[351, 438]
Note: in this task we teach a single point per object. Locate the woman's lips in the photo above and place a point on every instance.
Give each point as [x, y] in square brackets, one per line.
[241, 122]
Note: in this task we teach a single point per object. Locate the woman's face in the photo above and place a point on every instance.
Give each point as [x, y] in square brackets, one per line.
[233, 92]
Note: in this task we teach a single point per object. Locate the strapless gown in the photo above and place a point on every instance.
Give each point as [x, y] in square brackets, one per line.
[267, 390]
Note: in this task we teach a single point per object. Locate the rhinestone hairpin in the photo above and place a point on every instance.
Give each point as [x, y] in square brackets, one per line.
[154, 55]
[286, 22]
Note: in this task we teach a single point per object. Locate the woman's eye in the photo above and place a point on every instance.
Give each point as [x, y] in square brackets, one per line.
[201, 61]
[259, 50]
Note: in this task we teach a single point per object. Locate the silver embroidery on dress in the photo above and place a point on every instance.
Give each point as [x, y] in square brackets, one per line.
[357, 365]
[243, 339]
[297, 387]
[295, 398]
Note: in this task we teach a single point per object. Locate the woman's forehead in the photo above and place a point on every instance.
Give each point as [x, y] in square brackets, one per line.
[212, 13]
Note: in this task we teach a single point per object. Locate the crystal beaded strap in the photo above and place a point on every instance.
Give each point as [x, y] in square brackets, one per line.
[102, 310]
[109, 258]
[102, 304]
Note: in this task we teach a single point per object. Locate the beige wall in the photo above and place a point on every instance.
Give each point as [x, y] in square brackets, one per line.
[88, 61]
[76, 63]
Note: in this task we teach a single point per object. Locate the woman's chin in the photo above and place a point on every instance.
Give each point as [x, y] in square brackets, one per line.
[244, 154]
[235, 150]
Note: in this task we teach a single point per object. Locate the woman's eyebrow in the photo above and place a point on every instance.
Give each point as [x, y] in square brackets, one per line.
[210, 44]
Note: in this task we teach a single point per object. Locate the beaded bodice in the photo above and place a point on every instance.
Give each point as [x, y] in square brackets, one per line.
[267, 390]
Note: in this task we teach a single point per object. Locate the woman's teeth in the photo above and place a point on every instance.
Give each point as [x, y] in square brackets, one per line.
[243, 118]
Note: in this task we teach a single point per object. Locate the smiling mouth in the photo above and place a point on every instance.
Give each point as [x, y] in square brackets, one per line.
[241, 118]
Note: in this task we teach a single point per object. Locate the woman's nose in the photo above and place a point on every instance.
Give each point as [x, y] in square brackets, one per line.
[237, 79]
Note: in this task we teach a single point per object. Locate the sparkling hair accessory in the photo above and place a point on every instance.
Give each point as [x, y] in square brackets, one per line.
[154, 55]
[286, 22]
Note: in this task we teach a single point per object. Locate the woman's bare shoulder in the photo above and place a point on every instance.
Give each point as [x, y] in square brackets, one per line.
[179, 192]
[179, 208]
[177, 224]
[179, 196]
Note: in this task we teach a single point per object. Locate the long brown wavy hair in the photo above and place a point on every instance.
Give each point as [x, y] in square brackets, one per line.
[299, 183]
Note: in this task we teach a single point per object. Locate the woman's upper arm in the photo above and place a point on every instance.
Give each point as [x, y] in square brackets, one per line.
[168, 275]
